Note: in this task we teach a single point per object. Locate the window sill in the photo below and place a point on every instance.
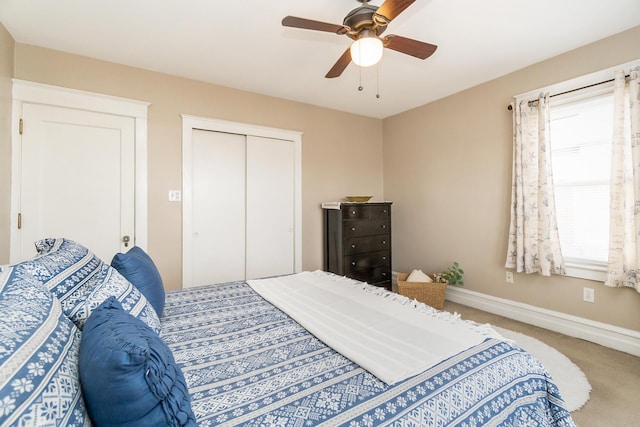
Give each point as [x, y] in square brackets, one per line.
[597, 273]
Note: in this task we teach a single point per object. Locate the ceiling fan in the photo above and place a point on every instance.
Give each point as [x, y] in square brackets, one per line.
[364, 25]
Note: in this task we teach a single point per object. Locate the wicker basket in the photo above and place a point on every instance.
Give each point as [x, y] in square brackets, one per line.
[430, 293]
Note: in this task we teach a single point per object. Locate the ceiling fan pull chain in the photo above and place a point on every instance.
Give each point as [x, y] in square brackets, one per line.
[360, 74]
[378, 80]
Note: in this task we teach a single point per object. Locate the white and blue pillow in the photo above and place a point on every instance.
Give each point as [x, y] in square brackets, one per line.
[39, 351]
[81, 281]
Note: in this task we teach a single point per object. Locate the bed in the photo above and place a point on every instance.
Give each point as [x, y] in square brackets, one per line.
[232, 358]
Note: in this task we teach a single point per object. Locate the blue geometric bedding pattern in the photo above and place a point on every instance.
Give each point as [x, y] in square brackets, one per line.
[247, 363]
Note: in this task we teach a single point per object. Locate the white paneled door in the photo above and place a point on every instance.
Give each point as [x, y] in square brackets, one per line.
[77, 178]
[239, 207]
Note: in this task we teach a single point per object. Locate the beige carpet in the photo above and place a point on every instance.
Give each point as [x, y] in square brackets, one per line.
[614, 376]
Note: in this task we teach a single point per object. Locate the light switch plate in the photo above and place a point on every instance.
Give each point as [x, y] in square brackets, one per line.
[175, 195]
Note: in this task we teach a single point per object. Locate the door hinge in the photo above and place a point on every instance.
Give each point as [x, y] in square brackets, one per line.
[20, 127]
[19, 221]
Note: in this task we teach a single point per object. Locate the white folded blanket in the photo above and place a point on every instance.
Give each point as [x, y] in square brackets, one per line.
[387, 334]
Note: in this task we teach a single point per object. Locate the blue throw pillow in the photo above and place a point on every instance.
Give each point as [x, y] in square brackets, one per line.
[139, 269]
[128, 374]
[39, 350]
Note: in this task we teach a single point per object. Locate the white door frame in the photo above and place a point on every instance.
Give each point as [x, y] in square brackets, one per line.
[189, 123]
[31, 92]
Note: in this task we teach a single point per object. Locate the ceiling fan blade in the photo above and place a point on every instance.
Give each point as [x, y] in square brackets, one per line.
[340, 65]
[392, 8]
[308, 24]
[409, 46]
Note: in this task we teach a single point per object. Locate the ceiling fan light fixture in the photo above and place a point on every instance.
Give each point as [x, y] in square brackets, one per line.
[366, 51]
[365, 25]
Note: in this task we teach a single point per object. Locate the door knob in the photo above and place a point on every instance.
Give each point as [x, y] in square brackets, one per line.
[125, 240]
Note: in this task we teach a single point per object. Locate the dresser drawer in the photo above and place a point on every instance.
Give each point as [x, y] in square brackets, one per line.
[376, 275]
[358, 245]
[368, 260]
[366, 227]
[365, 211]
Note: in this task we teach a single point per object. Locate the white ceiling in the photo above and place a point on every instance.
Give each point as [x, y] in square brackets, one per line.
[242, 44]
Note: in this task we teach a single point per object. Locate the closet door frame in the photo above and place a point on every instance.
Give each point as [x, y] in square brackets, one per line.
[191, 123]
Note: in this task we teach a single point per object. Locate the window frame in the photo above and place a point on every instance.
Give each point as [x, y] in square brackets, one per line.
[579, 267]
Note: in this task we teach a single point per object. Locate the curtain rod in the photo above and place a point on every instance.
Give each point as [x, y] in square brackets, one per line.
[532, 102]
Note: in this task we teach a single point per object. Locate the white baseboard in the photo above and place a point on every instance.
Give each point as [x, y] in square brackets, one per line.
[621, 339]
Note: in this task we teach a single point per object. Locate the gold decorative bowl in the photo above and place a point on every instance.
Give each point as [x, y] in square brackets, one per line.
[358, 198]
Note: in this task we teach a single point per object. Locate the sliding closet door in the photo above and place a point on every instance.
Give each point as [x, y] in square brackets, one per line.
[242, 209]
[218, 207]
[270, 207]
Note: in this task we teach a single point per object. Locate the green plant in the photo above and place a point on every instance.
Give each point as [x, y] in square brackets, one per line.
[452, 275]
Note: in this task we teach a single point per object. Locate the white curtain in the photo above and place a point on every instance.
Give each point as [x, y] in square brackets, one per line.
[534, 245]
[624, 239]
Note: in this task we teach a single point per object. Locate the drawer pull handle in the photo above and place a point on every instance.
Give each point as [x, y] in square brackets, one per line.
[384, 274]
[353, 263]
[353, 212]
[384, 242]
[383, 226]
[384, 258]
[353, 246]
[353, 229]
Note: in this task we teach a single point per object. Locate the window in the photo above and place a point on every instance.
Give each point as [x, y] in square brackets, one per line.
[581, 138]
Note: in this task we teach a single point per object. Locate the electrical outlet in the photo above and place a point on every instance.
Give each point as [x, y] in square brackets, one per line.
[588, 294]
[175, 195]
[508, 276]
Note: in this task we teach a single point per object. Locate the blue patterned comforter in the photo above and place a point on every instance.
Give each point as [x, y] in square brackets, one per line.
[247, 363]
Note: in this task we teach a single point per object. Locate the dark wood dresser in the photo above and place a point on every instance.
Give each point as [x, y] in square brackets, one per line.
[357, 241]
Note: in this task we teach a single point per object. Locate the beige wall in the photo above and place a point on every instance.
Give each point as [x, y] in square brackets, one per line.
[6, 73]
[330, 141]
[447, 167]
